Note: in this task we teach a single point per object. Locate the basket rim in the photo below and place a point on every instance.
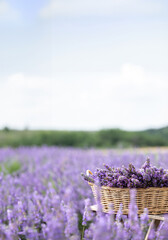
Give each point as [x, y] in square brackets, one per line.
[138, 189]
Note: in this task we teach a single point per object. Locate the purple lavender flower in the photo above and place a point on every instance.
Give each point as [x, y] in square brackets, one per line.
[88, 214]
[71, 229]
[45, 198]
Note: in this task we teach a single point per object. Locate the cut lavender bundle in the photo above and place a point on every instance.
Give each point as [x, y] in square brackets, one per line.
[130, 177]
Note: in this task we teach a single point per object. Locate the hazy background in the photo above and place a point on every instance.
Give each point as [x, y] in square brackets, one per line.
[88, 65]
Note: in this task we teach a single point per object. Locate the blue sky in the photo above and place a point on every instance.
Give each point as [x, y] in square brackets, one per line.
[70, 64]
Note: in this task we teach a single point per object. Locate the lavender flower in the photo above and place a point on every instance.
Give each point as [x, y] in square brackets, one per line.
[122, 177]
[44, 199]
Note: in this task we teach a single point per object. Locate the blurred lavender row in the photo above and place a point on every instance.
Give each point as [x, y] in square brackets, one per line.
[43, 196]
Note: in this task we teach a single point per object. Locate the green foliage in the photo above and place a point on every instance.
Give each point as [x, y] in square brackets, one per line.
[10, 167]
[102, 139]
[6, 129]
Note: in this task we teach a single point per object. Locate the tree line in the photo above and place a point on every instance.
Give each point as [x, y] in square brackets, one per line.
[101, 139]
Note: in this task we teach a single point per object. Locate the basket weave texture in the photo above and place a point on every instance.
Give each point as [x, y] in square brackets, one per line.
[153, 198]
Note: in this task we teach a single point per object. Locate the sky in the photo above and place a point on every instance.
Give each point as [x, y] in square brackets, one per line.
[83, 65]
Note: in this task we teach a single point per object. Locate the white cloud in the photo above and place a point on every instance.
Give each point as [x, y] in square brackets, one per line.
[130, 71]
[6, 11]
[131, 99]
[99, 7]
[24, 100]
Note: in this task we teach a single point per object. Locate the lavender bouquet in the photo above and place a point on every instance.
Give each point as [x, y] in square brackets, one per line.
[130, 177]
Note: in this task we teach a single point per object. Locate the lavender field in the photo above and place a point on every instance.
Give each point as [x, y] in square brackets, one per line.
[43, 196]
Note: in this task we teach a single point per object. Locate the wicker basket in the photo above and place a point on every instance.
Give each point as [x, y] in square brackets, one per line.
[153, 198]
